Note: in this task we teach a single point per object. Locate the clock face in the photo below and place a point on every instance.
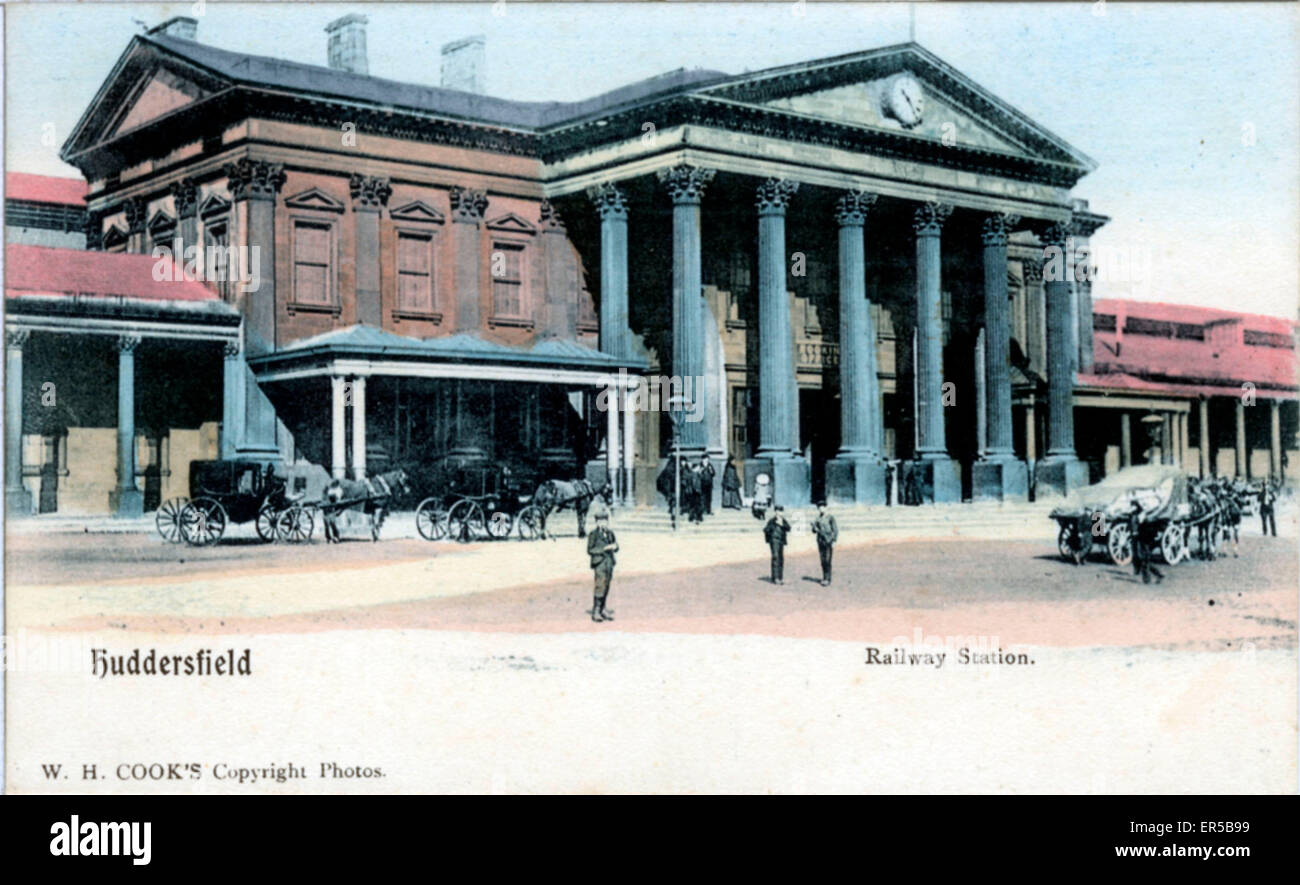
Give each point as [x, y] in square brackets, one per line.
[904, 101]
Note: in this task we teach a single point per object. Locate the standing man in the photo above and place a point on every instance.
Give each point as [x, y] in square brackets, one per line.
[707, 473]
[691, 491]
[1141, 552]
[827, 533]
[1267, 500]
[601, 547]
[776, 532]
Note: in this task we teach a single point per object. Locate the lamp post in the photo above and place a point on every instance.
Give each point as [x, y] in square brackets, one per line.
[676, 413]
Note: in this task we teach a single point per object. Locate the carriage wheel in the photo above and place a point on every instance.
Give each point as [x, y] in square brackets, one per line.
[203, 522]
[1119, 545]
[1173, 543]
[295, 525]
[1071, 546]
[465, 521]
[431, 520]
[530, 523]
[267, 517]
[500, 524]
[168, 519]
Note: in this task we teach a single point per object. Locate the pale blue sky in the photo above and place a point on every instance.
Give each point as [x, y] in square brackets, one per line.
[1160, 95]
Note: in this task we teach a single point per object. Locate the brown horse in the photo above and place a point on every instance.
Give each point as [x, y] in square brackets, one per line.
[372, 496]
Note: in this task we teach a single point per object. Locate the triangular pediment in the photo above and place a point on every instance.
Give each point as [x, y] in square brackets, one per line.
[902, 89]
[160, 222]
[214, 205]
[159, 93]
[115, 235]
[417, 210]
[511, 222]
[315, 198]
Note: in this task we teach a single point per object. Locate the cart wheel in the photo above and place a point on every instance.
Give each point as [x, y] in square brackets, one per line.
[295, 525]
[465, 521]
[431, 520]
[203, 522]
[1173, 543]
[266, 520]
[500, 524]
[1065, 542]
[530, 523]
[1119, 545]
[168, 519]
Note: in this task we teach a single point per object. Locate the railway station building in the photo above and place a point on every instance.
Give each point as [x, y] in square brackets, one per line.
[818, 270]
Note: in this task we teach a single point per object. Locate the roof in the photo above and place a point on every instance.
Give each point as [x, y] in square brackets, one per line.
[1201, 351]
[369, 341]
[64, 273]
[45, 189]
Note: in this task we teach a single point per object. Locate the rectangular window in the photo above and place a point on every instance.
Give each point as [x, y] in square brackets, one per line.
[415, 268]
[507, 280]
[216, 258]
[312, 263]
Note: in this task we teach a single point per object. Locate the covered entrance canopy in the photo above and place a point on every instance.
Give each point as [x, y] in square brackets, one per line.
[461, 397]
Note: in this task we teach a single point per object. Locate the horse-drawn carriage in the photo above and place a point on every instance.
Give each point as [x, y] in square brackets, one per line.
[491, 503]
[1099, 513]
[225, 492]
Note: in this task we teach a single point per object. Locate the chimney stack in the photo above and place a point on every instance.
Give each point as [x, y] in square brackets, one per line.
[463, 64]
[347, 44]
[181, 26]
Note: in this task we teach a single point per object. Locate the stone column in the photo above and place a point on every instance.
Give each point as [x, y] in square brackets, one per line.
[1061, 471]
[1125, 440]
[1274, 439]
[1243, 466]
[467, 208]
[185, 196]
[1035, 320]
[232, 400]
[18, 501]
[127, 499]
[998, 475]
[359, 427]
[1205, 455]
[1167, 438]
[369, 197]
[686, 186]
[257, 183]
[612, 459]
[940, 476]
[1183, 439]
[338, 427]
[629, 448]
[611, 203]
[857, 473]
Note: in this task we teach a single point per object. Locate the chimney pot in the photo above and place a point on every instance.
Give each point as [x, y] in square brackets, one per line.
[346, 49]
[464, 63]
[181, 26]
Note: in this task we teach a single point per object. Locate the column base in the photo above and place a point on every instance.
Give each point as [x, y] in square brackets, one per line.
[939, 480]
[18, 502]
[791, 479]
[1059, 477]
[1001, 480]
[126, 503]
[855, 480]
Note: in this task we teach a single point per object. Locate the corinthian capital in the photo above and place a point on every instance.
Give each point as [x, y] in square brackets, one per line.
[852, 208]
[127, 343]
[929, 218]
[1033, 269]
[997, 228]
[135, 210]
[773, 196]
[250, 179]
[609, 199]
[1056, 233]
[16, 338]
[185, 194]
[369, 191]
[685, 182]
[467, 204]
[548, 217]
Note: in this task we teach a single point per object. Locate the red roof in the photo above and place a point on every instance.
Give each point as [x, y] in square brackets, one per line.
[40, 270]
[1176, 361]
[45, 189]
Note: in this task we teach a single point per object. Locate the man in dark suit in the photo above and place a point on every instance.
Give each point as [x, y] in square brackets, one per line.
[601, 547]
[775, 533]
[1267, 501]
[827, 532]
[1138, 531]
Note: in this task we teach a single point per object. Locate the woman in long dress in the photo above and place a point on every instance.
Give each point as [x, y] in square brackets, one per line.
[731, 486]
